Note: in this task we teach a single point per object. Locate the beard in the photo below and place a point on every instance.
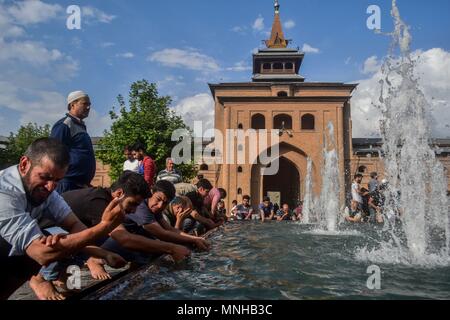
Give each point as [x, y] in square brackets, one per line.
[34, 195]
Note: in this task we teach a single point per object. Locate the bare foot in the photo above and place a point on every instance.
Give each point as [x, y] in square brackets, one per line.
[97, 269]
[44, 290]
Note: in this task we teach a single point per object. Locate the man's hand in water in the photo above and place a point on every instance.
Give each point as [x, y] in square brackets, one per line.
[202, 244]
[179, 253]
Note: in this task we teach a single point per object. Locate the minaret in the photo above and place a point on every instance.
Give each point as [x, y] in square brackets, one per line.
[277, 39]
[277, 62]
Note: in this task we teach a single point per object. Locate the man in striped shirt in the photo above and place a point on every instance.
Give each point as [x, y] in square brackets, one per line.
[170, 173]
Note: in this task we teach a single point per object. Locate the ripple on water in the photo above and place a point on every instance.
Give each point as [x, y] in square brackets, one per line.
[275, 261]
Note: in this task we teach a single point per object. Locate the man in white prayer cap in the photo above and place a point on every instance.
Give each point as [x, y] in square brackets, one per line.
[71, 131]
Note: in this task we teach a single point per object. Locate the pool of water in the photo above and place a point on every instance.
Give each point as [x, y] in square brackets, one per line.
[286, 261]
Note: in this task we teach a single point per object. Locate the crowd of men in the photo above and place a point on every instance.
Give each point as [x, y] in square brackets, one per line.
[51, 217]
[267, 211]
[367, 205]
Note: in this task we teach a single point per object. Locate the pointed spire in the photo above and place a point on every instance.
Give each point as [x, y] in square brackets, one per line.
[277, 39]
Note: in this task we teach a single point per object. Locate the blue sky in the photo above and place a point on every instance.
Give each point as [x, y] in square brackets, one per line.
[183, 45]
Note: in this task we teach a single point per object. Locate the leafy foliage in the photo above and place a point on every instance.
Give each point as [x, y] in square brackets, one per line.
[19, 142]
[147, 119]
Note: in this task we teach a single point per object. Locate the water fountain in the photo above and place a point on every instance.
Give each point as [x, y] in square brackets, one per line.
[417, 227]
[328, 203]
[308, 198]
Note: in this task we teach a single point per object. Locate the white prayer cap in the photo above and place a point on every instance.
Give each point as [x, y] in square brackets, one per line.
[73, 96]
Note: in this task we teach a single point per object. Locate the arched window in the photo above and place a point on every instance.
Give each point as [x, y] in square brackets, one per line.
[282, 94]
[239, 191]
[278, 66]
[204, 167]
[240, 147]
[258, 122]
[240, 169]
[289, 66]
[308, 122]
[362, 169]
[267, 66]
[282, 121]
[240, 126]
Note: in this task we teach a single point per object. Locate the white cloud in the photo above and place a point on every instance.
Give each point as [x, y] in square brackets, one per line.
[170, 81]
[185, 58]
[126, 55]
[197, 108]
[7, 28]
[107, 44]
[371, 65]
[94, 14]
[28, 51]
[289, 24]
[34, 11]
[432, 69]
[239, 67]
[33, 105]
[97, 123]
[30, 70]
[77, 42]
[258, 25]
[309, 49]
[239, 29]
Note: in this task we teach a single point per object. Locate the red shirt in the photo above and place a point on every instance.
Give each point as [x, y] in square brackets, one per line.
[149, 170]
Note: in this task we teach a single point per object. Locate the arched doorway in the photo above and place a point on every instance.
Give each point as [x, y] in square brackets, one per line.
[286, 182]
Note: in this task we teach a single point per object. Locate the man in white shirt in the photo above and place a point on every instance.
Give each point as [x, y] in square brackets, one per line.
[357, 201]
[131, 164]
[27, 195]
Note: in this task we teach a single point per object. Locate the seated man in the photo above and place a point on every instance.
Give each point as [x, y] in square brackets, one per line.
[244, 211]
[299, 211]
[199, 220]
[177, 211]
[150, 216]
[221, 214]
[27, 194]
[285, 213]
[89, 203]
[353, 216]
[266, 210]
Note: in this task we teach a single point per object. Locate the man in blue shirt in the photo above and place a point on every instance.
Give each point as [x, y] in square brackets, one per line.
[244, 211]
[266, 209]
[71, 131]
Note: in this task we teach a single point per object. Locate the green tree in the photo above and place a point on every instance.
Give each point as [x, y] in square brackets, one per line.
[148, 119]
[19, 142]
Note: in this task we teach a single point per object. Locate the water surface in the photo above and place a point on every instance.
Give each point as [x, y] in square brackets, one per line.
[286, 261]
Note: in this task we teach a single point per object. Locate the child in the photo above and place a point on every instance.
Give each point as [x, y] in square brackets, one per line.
[233, 210]
[221, 211]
